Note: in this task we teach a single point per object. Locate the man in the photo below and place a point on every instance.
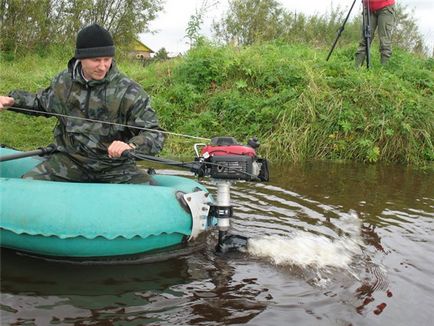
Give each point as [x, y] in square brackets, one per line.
[382, 17]
[89, 93]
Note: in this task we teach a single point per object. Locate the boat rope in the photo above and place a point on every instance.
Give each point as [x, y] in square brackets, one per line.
[108, 123]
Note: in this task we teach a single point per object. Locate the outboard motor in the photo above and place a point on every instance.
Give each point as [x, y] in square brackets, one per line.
[226, 161]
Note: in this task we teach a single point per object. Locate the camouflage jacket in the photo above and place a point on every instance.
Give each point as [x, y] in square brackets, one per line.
[115, 99]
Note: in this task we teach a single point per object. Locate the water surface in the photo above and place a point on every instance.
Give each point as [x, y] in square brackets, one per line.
[331, 244]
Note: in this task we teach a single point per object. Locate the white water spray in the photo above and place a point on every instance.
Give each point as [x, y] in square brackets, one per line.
[309, 250]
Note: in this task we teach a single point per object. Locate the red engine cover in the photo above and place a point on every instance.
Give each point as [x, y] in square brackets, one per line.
[228, 150]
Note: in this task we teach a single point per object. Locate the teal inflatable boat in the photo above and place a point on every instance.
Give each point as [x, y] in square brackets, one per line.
[97, 220]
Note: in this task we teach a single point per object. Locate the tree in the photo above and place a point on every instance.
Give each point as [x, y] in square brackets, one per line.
[26, 23]
[161, 55]
[192, 32]
[406, 34]
[250, 21]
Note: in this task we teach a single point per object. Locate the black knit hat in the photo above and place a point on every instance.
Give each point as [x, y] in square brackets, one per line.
[94, 41]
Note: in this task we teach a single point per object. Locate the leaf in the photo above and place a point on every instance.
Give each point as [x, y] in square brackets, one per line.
[241, 84]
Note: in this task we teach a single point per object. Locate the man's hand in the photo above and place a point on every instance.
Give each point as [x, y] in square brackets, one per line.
[117, 148]
[6, 101]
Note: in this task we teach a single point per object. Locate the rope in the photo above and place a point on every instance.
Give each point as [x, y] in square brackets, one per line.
[108, 123]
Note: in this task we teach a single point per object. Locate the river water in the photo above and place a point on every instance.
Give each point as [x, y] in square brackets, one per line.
[331, 244]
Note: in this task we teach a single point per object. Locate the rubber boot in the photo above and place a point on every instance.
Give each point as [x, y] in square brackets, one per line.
[384, 60]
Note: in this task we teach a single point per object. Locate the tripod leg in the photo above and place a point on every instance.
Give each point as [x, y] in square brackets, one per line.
[363, 51]
[368, 35]
[340, 31]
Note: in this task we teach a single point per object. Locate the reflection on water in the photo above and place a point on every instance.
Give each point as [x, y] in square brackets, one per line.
[195, 289]
[331, 244]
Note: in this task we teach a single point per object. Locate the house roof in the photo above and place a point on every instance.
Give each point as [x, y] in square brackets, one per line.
[139, 46]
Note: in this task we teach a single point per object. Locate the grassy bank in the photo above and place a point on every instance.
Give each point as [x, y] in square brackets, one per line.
[300, 106]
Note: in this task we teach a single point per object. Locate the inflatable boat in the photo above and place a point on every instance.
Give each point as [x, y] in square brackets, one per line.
[65, 219]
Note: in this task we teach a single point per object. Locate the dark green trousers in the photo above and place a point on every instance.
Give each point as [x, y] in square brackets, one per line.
[61, 167]
[382, 20]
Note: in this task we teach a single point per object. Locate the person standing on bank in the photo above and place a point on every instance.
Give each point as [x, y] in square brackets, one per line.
[93, 88]
[382, 18]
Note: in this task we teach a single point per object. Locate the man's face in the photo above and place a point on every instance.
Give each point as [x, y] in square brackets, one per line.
[96, 68]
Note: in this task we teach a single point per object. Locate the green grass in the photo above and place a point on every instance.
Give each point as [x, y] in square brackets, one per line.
[300, 106]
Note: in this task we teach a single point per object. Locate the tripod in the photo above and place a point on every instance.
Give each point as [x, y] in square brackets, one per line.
[366, 32]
